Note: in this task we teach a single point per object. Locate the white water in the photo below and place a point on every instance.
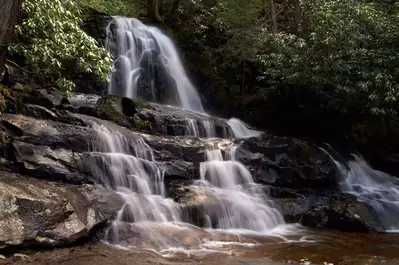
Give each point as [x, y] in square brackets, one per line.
[137, 48]
[239, 203]
[240, 129]
[203, 129]
[150, 220]
[128, 167]
[378, 189]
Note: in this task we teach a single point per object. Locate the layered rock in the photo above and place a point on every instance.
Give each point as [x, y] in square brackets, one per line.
[40, 213]
[48, 149]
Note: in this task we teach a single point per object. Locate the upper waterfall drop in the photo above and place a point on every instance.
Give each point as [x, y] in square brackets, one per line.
[148, 66]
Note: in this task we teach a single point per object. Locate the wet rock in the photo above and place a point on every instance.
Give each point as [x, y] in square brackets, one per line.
[128, 107]
[180, 169]
[50, 133]
[343, 216]
[175, 121]
[287, 162]
[39, 111]
[46, 163]
[35, 212]
[335, 211]
[49, 98]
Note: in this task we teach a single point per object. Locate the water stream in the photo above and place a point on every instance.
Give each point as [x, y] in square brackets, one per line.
[376, 188]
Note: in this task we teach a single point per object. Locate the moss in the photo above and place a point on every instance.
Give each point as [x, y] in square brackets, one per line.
[142, 125]
[115, 99]
[107, 111]
[143, 104]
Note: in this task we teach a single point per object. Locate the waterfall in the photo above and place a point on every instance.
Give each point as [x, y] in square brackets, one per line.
[240, 202]
[128, 167]
[378, 189]
[148, 66]
[240, 129]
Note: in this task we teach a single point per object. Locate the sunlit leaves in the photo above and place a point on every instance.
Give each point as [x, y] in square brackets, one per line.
[53, 37]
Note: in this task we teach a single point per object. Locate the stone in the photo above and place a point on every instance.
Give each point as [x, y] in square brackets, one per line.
[40, 213]
[48, 98]
[288, 162]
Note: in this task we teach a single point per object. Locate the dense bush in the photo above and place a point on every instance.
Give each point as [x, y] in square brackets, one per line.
[50, 37]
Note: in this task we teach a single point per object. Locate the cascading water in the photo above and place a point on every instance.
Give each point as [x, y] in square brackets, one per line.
[240, 129]
[128, 167]
[240, 204]
[148, 66]
[148, 217]
[376, 188]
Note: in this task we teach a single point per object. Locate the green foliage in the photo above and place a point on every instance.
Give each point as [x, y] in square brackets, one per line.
[344, 54]
[348, 58]
[239, 18]
[51, 38]
[115, 7]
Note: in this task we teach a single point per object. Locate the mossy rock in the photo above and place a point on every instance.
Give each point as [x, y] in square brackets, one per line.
[143, 104]
[108, 110]
[143, 125]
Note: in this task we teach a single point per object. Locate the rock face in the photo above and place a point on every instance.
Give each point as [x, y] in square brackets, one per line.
[46, 173]
[288, 162]
[40, 213]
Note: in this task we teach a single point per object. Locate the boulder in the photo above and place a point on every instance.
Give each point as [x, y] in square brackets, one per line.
[40, 213]
[331, 210]
[287, 162]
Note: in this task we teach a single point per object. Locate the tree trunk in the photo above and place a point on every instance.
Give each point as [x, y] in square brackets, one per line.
[175, 6]
[272, 12]
[153, 10]
[298, 17]
[9, 14]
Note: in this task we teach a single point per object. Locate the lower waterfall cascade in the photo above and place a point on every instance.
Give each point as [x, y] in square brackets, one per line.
[127, 166]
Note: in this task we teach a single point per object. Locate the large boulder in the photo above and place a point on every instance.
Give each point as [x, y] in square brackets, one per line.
[288, 162]
[40, 213]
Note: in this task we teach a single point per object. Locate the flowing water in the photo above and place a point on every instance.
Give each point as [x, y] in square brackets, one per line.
[378, 189]
[148, 66]
[239, 203]
[150, 220]
[241, 130]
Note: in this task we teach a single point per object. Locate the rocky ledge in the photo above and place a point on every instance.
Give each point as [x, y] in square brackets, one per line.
[48, 196]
